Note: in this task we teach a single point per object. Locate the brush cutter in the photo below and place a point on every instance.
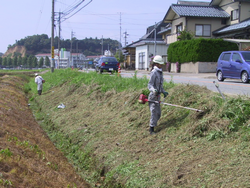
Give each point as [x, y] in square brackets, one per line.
[143, 99]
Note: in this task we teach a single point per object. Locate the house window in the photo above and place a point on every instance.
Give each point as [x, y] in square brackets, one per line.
[224, 21]
[141, 60]
[178, 29]
[235, 14]
[203, 30]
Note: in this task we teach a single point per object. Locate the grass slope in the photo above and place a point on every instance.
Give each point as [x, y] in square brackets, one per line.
[103, 131]
[27, 156]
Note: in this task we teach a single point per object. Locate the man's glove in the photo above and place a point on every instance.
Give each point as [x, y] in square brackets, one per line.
[155, 92]
[165, 94]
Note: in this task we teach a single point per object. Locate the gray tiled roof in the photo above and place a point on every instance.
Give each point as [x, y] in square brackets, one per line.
[164, 30]
[183, 2]
[199, 11]
[233, 27]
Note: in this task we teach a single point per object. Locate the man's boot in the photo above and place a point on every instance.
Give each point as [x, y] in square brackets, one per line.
[151, 130]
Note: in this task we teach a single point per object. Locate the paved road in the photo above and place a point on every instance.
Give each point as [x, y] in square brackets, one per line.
[229, 86]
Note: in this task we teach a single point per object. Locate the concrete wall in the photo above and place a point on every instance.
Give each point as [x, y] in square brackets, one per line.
[198, 67]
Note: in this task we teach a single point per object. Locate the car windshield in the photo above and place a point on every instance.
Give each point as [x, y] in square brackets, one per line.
[246, 56]
[109, 59]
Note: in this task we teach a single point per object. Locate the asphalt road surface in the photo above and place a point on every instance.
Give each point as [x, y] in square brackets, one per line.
[209, 80]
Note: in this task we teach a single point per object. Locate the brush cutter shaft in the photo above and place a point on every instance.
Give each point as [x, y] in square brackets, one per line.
[143, 99]
[182, 107]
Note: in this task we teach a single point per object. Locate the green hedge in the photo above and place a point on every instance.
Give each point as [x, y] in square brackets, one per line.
[203, 50]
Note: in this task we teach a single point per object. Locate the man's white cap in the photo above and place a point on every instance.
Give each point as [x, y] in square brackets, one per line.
[36, 74]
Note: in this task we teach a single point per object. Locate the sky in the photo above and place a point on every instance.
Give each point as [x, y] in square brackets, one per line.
[97, 18]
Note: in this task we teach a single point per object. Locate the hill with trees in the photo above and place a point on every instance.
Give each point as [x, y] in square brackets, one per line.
[42, 44]
[23, 52]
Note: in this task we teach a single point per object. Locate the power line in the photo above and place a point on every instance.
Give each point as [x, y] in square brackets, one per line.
[71, 11]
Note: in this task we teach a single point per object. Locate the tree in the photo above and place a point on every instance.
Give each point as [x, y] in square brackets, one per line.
[185, 35]
[119, 56]
[41, 62]
[9, 61]
[24, 61]
[19, 60]
[47, 61]
[15, 62]
[1, 61]
[4, 62]
[34, 61]
[30, 61]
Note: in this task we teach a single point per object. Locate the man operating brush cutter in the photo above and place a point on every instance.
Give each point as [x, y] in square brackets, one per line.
[155, 86]
[155, 109]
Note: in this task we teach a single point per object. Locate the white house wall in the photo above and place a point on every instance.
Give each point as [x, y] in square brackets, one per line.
[161, 49]
[141, 49]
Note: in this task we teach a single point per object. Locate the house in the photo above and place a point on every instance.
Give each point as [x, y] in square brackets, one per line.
[138, 54]
[227, 19]
[65, 59]
[218, 19]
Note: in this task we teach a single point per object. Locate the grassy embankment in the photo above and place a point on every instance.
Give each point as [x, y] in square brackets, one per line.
[27, 156]
[103, 131]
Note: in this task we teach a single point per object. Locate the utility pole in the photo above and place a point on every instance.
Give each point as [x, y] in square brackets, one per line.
[155, 40]
[59, 39]
[102, 45]
[71, 61]
[125, 36]
[52, 38]
[120, 47]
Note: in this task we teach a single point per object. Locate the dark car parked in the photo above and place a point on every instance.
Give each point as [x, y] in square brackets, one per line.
[235, 65]
[107, 64]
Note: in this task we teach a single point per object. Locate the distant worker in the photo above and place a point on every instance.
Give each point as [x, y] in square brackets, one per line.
[39, 81]
[155, 86]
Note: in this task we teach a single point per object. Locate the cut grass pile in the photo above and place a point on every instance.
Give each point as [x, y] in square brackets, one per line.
[103, 131]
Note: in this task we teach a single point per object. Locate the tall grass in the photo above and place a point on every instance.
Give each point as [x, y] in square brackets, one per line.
[106, 82]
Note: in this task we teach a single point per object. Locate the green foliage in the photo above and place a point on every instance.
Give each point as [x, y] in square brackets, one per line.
[41, 62]
[4, 61]
[215, 135]
[106, 82]
[119, 56]
[185, 35]
[5, 182]
[42, 44]
[47, 61]
[204, 50]
[238, 111]
[6, 152]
